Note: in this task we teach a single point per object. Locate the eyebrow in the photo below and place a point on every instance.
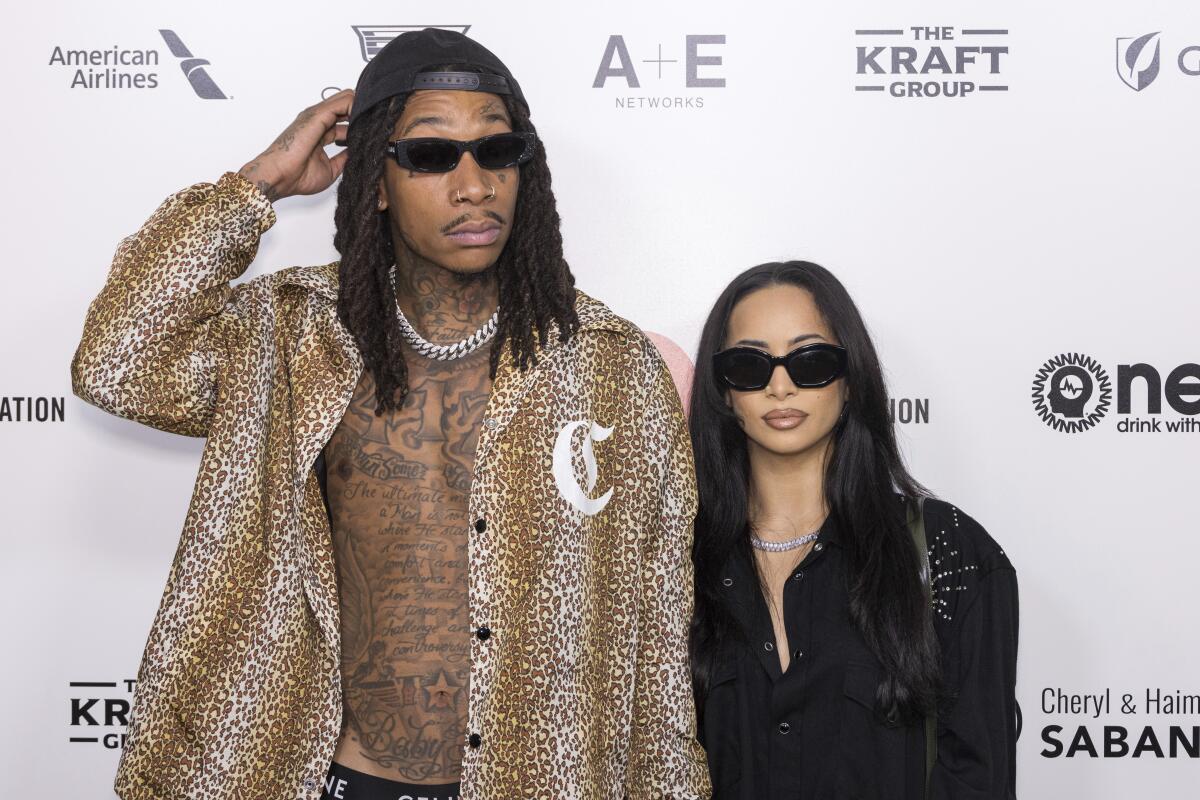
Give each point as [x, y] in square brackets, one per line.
[488, 112]
[797, 340]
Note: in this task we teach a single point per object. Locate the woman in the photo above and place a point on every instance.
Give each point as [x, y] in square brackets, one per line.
[817, 658]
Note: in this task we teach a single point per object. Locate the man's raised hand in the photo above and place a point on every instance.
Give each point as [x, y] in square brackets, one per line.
[296, 163]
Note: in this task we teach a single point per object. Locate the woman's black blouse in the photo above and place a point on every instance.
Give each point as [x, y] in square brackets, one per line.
[811, 733]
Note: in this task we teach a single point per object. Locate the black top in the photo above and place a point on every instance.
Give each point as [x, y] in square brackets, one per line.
[811, 733]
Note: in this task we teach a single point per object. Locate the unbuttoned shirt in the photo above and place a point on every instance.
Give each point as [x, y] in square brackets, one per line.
[812, 732]
[581, 504]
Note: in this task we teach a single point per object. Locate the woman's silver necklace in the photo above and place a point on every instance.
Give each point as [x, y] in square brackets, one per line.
[784, 546]
[444, 352]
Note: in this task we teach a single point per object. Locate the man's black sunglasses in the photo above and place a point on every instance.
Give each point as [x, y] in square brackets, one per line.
[498, 151]
[810, 367]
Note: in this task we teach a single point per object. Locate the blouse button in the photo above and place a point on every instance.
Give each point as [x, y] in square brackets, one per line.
[798, 576]
[727, 581]
[768, 646]
[784, 727]
[818, 547]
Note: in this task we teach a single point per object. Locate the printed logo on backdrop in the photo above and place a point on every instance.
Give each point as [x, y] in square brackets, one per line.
[672, 74]
[1151, 722]
[1139, 60]
[373, 38]
[100, 712]
[909, 410]
[941, 62]
[119, 67]
[1072, 393]
[33, 409]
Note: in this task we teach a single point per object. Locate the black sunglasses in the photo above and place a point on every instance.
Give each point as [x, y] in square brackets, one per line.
[498, 151]
[810, 367]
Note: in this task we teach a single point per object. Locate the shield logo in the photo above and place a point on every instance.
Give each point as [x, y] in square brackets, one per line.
[372, 38]
[1137, 61]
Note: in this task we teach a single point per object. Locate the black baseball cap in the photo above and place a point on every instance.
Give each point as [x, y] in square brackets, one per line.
[405, 65]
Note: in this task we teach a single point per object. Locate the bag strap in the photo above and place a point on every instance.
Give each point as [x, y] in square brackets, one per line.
[916, 527]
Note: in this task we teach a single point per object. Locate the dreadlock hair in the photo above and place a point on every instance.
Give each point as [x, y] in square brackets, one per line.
[536, 287]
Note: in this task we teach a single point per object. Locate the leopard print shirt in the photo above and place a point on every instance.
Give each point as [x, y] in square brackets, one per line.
[583, 496]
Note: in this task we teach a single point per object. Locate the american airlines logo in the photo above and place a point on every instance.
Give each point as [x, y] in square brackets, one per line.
[135, 68]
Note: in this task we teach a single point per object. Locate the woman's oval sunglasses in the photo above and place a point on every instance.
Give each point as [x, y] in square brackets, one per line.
[810, 367]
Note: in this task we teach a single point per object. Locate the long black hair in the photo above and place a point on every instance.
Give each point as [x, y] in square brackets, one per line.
[864, 476]
[536, 286]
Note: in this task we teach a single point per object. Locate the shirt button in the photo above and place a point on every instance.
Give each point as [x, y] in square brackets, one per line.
[483, 633]
[475, 740]
[784, 727]
[309, 784]
[490, 423]
[818, 547]
[480, 525]
[768, 646]
[727, 581]
[798, 654]
[798, 576]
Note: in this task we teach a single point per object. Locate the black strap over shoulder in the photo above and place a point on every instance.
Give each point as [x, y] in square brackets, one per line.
[916, 526]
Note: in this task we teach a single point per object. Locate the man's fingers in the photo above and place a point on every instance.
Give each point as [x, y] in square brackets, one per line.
[338, 163]
[335, 134]
[339, 103]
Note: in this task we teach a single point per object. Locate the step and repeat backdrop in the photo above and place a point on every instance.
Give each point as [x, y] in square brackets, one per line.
[1008, 189]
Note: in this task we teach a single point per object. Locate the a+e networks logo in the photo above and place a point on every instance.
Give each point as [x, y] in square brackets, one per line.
[668, 72]
[1139, 59]
[1072, 393]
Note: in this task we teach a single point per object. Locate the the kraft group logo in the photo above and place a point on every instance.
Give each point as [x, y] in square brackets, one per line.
[931, 62]
[100, 712]
[1137, 59]
[373, 38]
[1071, 392]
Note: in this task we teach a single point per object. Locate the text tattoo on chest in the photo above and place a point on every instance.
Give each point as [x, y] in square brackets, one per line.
[399, 489]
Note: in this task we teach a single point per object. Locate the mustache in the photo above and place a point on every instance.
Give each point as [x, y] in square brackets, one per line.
[466, 217]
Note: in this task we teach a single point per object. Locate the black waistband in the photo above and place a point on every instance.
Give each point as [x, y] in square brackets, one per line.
[343, 783]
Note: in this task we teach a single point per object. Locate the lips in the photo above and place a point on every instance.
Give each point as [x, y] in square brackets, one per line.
[476, 233]
[784, 419]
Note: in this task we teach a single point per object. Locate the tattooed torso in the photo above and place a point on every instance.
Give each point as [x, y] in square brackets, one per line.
[398, 491]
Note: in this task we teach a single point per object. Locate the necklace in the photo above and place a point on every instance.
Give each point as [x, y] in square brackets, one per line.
[444, 352]
[782, 547]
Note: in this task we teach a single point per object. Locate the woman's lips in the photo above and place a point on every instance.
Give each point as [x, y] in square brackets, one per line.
[784, 420]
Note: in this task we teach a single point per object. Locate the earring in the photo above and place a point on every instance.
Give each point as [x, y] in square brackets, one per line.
[379, 205]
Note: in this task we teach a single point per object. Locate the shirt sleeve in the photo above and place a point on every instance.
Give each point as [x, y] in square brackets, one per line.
[150, 347]
[977, 731]
[666, 760]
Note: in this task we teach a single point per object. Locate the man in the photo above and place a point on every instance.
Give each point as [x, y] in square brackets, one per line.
[453, 569]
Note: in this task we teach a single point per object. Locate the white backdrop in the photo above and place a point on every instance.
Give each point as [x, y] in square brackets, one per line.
[982, 235]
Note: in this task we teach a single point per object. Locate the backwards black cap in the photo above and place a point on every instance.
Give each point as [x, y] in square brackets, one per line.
[404, 65]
